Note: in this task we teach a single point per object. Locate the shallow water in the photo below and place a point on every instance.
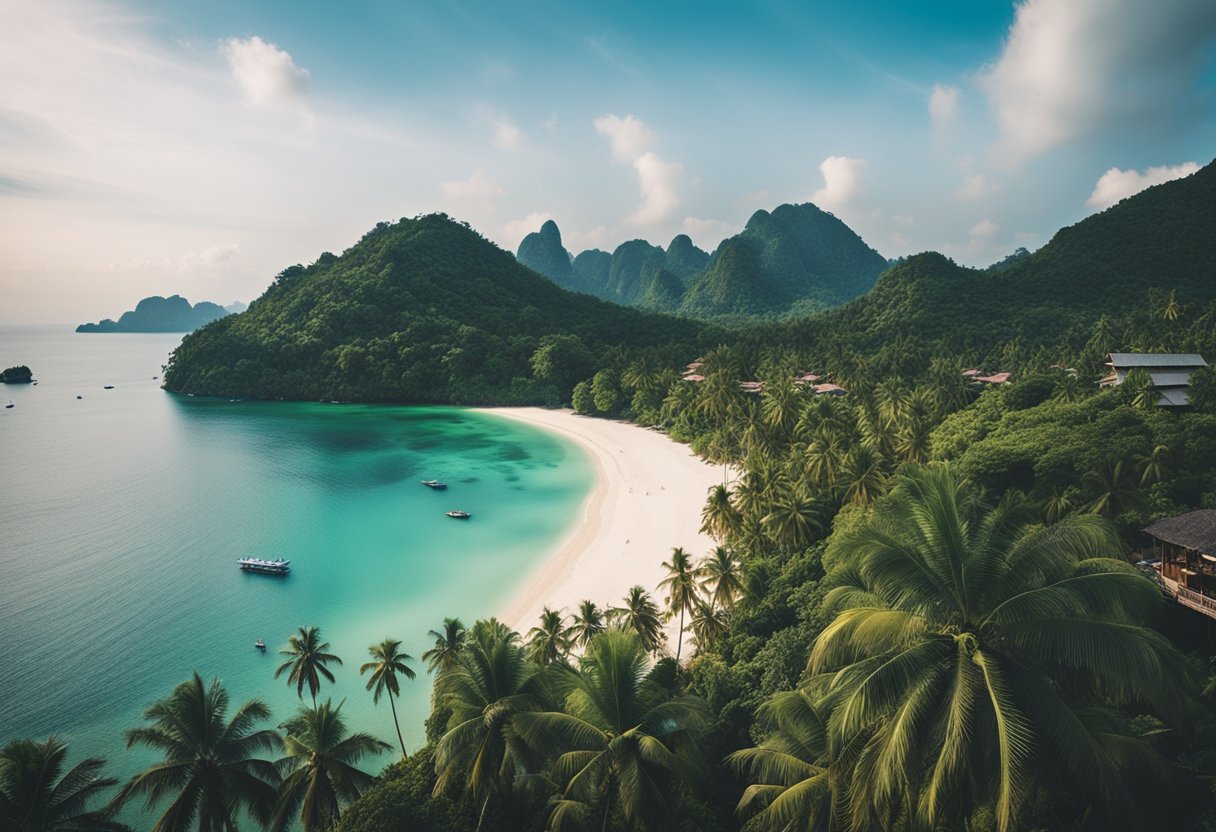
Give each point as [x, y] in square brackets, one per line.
[122, 514]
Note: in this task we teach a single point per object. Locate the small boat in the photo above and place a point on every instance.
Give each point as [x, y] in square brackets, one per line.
[436, 484]
[259, 644]
[108, 387]
[265, 567]
[80, 397]
[459, 515]
[10, 404]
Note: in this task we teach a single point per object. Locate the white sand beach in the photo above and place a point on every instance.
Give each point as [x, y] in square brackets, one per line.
[648, 499]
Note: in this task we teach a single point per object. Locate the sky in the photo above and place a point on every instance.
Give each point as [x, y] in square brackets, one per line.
[199, 148]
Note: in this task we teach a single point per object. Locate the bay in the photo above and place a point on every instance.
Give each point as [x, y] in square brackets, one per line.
[123, 512]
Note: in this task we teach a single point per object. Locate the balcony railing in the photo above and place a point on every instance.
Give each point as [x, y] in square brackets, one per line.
[1199, 603]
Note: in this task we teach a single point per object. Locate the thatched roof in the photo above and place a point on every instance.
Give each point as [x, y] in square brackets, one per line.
[1193, 530]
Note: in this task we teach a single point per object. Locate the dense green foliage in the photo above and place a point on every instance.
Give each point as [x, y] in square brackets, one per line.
[38, 795]
[17, 375]
[157, 314]
[424, 310]
[793, 261]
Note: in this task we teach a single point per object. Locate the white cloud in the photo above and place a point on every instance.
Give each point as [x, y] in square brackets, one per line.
[841, 182]
[1070, 68]
[657, 181]
[266, 74]
[209, 260]
[507, 134]
[512, 232]
[579, 241]
[943, 104]
[974, 187]
[985, 229]
[708, 233]
[1116, 184]
[629, 136]
[477, 186]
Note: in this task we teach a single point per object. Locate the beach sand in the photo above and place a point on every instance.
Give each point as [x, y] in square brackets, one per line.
[647, 500]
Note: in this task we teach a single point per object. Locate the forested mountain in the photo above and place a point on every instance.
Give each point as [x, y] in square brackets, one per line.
[795, 260]
[424, 310]
[1128, 258]
[157, 314]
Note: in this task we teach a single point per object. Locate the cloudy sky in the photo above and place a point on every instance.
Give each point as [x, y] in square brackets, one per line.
[200, 147]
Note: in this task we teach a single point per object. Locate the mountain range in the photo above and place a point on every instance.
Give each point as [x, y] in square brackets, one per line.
[159, 314]
[792, 261]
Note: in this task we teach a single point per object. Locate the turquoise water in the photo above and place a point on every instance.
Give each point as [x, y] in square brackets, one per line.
[122, 514]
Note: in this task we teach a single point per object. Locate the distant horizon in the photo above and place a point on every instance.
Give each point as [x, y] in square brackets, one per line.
[210, 146]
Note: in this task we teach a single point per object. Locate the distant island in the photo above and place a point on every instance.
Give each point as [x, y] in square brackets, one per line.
[17, 375]
[171, 314]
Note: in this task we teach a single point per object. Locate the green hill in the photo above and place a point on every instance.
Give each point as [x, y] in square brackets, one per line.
[1160, 240]
[424, 310]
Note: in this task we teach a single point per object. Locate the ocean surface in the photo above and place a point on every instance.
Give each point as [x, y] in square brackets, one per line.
[123, 513]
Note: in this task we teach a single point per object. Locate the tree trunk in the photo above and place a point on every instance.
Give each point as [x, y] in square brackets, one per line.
[680, 642]
[397, 725]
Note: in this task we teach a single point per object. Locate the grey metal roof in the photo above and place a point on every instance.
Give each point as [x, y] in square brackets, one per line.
[1173, 397]
[1157, 359]
[1194, 530]
[1171, 378]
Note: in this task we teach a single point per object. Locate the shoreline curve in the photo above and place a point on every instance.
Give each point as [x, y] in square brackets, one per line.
[646, 500]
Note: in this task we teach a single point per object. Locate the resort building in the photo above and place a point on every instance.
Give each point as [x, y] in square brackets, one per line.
[1170, 373]
[1186, 545]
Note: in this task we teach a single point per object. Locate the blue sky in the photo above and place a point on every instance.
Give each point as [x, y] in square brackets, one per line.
[199, 148]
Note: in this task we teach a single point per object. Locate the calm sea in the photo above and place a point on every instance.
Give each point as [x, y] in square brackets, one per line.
[123, 512]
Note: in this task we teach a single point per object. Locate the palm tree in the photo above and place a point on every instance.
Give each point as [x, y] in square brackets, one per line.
[1154, 465]
[719, 518]
[709, 623]
[681, 587]
[448, 644]
[793, 788]
[386, 663]
[35, 798]
[585, 623]
[721, 576]
[618, 743]
[862, 475]
[1112, 489]
[792, 519]
[490, 682]
[547, 642]
[1171, 310]
[306, 662]
[319, 773]
[211, 770]
[951, 620]
[639, 613]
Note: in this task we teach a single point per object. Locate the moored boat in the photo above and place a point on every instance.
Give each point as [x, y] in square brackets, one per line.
[265, 567]
[259, 644]
[436, 484]
[459, 515]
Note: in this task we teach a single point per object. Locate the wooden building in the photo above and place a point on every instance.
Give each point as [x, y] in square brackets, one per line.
[1186, 545]
[1170, 373]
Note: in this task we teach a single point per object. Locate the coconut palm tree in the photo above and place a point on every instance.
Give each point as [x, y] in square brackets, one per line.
[954, 625]
[1153, 466]
[547, 642]
[584, 624]
[639, 614]
[621, 739]
[1112, 489]
[319, 773]
[793, 781]
[792, 519]
[387, 662]
[862, 475]
[681, 588]
[211, 768]
[708, 623]
[719, 517]
[448, 643]
[490, 682]
[306, 660]
[721, 577]
[34, 797]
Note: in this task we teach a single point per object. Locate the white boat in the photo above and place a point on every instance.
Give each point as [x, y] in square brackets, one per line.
[459, 515]
[259, 644]
[436, 484]
[265, 567]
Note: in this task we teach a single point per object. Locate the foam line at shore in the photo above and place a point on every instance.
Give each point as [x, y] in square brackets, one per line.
[647, 499]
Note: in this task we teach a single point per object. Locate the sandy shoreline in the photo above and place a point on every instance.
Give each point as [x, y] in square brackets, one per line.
[647, 500]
